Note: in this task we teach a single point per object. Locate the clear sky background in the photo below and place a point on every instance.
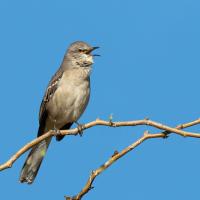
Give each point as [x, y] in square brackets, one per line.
[149, 67]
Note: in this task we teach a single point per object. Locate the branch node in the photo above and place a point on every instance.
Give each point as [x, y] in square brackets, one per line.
[111, 120]
[146, 133]
[93, 172]
[180, 126]
[10, 164]
[67, 198]
[115, 153]
[91, 187]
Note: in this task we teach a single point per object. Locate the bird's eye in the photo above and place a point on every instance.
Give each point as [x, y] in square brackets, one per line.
[82, 50]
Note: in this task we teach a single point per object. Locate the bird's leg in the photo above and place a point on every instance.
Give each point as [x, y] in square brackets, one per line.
[56, 131]
[80, 127]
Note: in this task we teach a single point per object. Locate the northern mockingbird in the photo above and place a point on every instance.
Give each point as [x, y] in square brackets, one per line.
[65, 99]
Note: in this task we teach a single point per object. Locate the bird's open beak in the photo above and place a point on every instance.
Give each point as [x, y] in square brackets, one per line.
[92, 49]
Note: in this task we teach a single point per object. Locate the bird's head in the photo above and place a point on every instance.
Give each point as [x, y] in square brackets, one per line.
[81, 53]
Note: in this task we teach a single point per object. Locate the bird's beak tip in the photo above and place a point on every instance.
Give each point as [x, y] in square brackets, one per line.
[93, 48]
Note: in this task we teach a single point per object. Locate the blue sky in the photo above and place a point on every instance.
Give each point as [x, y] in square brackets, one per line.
[149, 67]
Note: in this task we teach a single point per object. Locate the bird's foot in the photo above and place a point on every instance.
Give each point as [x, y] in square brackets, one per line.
[166, 134]
[80, 127]
[56, 132]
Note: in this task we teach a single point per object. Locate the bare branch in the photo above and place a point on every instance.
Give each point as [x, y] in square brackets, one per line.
[117, 155]
[97, 122]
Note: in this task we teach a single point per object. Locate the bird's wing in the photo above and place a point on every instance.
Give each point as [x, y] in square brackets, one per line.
[53, 85]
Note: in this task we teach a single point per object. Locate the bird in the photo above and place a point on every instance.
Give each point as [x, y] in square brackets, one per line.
[64, 101]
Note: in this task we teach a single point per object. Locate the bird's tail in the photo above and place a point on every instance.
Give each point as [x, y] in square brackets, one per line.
[33, 162]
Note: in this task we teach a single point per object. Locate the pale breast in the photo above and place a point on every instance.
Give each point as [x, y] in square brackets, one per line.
[69, 100]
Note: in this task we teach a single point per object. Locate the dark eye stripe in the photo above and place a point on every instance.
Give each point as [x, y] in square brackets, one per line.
[82, 50]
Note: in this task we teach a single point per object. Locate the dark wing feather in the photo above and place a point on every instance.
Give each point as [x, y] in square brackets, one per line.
[53, 84]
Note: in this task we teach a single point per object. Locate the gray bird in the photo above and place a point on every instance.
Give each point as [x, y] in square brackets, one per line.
[65, 100]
